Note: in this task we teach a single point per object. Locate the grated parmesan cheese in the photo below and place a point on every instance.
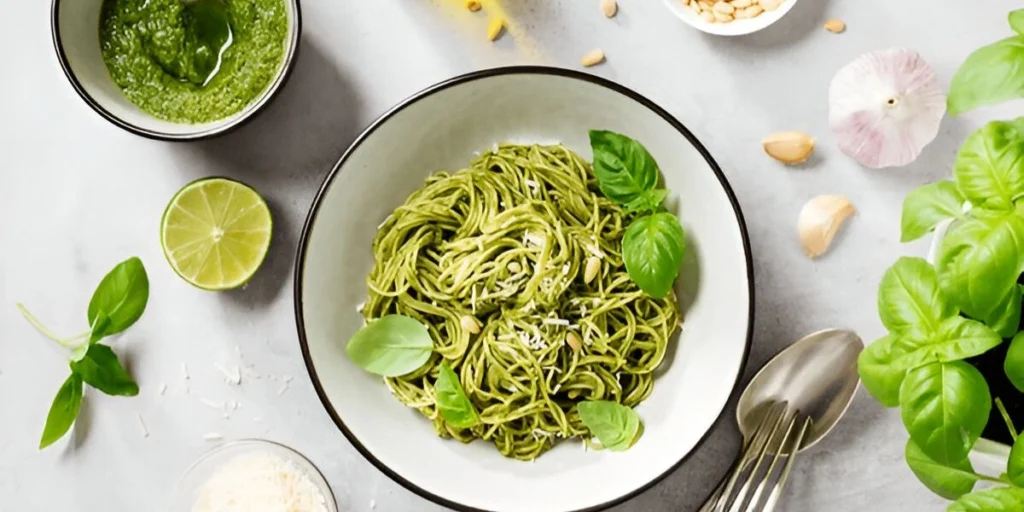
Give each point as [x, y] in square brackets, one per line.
[142, 425]
[556, 321]
[259, 482]
[231, 377]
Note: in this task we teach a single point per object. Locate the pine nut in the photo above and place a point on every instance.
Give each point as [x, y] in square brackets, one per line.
[469, 324]
[593, 58]
[609, 8]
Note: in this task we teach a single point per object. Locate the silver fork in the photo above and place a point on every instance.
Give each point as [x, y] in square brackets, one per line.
[777, 435]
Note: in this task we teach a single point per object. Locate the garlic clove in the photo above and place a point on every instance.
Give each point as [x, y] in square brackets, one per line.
[820, 220]
[885, 107]
[789, 147]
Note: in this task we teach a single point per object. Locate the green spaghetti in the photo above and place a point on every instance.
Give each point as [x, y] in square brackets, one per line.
[493, 261]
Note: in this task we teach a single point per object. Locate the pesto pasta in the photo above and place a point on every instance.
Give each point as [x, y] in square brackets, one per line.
[494, 260]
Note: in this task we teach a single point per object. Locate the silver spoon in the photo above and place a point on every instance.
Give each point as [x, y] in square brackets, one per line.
[816, 376]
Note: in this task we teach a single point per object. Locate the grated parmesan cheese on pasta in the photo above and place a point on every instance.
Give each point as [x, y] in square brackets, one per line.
[260, 483]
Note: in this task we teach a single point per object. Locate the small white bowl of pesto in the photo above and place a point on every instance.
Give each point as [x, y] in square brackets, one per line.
[176, 70]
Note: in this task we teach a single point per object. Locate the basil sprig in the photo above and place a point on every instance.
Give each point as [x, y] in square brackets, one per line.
[654, 243]
[118, 302]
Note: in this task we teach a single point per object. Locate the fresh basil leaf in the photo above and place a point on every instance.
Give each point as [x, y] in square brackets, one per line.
[63, 411]
[998, 499]
[945, 407]
[452, 402]
[101, 370]
[1015, 463]
[391, 346]
[1013, 366]
[652, 249]
[909, 297]
[949, 481]
[100, 327]
[121, 296]
[957, 338]
[990, 75]
[927, 206]
[1016, 19]
[648, 201]
[614, 425]
[876, 370]
[978, 264]
[624, 168]
[989, 168]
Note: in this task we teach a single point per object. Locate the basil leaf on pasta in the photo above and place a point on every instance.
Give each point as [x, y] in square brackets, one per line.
[391, 346]
[452, 402]
[614, 425]
[624, 168]
[652, 249]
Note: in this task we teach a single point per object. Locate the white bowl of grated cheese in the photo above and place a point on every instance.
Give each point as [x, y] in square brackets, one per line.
[253, 475]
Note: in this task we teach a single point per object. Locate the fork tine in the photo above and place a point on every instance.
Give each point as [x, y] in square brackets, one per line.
[721, 500]
[773, 497]
[775, 459]
[747, 454]
[761, 451]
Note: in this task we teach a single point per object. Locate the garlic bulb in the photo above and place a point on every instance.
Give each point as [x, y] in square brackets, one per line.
[820, 220]
[885, 107]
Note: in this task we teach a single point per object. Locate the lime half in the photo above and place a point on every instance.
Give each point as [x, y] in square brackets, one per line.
[215, 233]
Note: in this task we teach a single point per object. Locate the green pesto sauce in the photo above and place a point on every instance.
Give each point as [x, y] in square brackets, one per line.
[145, 46]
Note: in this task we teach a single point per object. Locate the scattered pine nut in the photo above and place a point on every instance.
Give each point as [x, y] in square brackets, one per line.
[495, 28]
[595, 57]
[473, 5]
[609, 8]
[835, 25]
[592, 269]
[573, 340]
[469, 324]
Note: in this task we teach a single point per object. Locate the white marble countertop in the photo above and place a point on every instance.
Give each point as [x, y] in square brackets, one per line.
[77, 195]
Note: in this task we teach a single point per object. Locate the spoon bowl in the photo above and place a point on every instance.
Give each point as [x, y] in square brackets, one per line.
[817, 376]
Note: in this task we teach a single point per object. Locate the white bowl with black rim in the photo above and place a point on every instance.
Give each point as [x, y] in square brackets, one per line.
[443, 127]
[75, 27]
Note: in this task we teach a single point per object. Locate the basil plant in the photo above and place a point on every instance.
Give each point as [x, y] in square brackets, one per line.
[965, 304]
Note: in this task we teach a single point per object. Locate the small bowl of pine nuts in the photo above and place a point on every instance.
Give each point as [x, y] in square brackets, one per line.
[730, 17]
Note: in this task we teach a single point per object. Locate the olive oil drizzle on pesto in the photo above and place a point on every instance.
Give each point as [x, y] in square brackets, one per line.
[195, 61]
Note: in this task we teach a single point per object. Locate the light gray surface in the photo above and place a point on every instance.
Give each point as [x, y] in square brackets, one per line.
[77, 195]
